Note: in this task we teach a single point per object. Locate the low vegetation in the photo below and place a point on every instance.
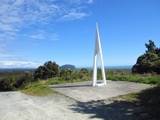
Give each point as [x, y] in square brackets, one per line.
[37, 89]
[14, 81]
[48, 70]
[128, 76]
[149, 62]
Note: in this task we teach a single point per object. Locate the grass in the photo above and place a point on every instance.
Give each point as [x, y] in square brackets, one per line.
[37, 89]
[57, 80]
[41, 88]
[132, 97]
[127, 76]
[115, 76]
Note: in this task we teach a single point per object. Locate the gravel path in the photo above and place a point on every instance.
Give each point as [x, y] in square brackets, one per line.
[18, 106]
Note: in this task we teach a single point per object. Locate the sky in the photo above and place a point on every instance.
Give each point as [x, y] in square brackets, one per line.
[35, 31]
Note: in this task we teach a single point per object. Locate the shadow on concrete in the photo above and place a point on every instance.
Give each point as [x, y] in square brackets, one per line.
[146, 108]
[70, 86]
[113, 111]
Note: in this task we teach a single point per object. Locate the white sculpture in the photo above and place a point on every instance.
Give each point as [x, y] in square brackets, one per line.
[98, 54]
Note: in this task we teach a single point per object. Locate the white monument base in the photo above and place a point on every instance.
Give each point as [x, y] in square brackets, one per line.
[99, 83]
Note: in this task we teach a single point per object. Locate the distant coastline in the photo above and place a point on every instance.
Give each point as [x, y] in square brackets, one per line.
[2, 70]
[32, 69]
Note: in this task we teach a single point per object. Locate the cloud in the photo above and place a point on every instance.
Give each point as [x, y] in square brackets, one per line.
[80, 1]
[15, 15]
[12, 61]
[90, 1]
[43, 35]
[74, 16]
[18, 64]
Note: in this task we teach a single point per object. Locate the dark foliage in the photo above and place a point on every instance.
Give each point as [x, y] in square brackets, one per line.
[7, 84]
[15, 81]
[83, 74]
[24, 80]
[66, 74]
[149, 62]
[48, 70]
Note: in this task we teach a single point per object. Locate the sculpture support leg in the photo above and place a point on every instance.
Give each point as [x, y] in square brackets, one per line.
[95, 71]
[103, 70]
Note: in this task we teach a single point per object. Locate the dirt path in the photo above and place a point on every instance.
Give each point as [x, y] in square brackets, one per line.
[17, 106]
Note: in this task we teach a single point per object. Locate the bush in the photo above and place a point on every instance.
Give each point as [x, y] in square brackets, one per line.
[7, 84]
[84, 74]
[48, 70]
[24, 80]
[149, 62]
[14, 82]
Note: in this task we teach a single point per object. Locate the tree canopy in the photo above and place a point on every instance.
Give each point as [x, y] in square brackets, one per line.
[149, 62]
[48, 70]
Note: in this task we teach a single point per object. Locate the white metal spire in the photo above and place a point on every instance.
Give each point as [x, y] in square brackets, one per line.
[98, 54]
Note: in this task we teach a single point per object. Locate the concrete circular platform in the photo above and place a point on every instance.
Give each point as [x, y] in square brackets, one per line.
[84, 92]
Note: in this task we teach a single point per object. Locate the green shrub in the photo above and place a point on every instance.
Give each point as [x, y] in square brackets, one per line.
[48, 70]
[7, 84]
[15, 82]
[84, 74]
[66, 74]
[149, 62]
[24, 80]
[141, 78]
[37, 89]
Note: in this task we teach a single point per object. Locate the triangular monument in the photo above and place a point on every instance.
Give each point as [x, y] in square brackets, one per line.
[98, 55]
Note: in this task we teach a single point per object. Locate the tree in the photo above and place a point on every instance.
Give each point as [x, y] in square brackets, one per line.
[83, 73]
[48, 70]
[149, 62]
[52, 69]
[151, 47]
[66, 74]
